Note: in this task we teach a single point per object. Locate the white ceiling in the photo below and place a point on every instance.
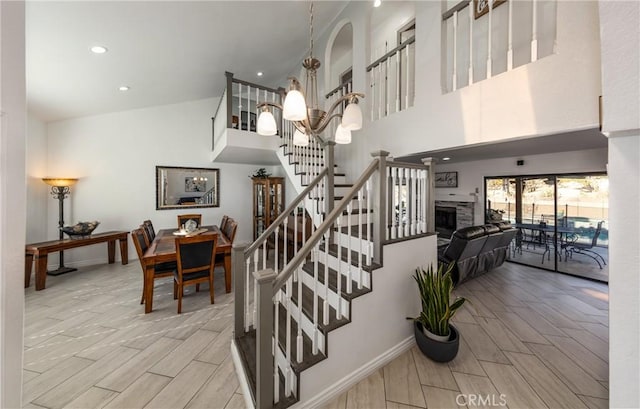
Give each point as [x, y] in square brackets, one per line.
[166, 51]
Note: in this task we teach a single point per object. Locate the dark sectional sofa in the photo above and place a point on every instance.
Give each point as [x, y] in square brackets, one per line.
[477, 249]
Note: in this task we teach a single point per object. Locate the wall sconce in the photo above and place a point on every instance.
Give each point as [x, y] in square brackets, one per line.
[60, 189]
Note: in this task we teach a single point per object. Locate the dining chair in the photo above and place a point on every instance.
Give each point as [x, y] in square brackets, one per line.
[161, 269]
[183, 218]
[195, 257]
[223, 223]
[151, 233]
[230, 232]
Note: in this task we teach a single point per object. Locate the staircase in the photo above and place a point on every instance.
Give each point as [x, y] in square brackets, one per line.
[291, 299]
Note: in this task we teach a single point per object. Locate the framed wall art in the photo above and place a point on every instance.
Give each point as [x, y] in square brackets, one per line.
[446, 179]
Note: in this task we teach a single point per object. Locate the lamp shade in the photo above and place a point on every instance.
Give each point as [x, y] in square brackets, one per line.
[59, 182]
[343, 135]
[352, 117]
[300, 139]
[267, 124]
[295, 108]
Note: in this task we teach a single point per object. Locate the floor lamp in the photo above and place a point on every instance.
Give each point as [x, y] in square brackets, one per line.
[60, 189]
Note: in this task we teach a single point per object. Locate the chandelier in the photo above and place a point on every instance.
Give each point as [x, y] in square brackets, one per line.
[304, 111]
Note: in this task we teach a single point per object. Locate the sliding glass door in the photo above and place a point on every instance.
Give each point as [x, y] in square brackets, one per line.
[561, 220]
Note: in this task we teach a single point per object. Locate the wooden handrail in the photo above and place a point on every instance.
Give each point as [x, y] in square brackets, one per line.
[338, 88]
[402, 46]
[460, 6]
[253, 85]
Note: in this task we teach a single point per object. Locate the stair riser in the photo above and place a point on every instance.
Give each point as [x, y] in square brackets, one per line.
[307, 279]
[353, 242]
[307, 325]
[344, 267]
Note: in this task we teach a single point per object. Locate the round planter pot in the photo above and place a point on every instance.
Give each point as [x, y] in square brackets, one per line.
[437, 350]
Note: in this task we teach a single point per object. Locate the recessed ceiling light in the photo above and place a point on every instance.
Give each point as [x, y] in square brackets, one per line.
[377, 3]
[124, 88]
[98, 49]
[259, 73]
[447, 158]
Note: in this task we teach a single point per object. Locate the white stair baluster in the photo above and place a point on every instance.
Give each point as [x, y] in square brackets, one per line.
[325, 306]
[405, 204]
[373, 92]
[360, 253]
[534, 31]
[299, 343]
[489, 41]
[349, 284]
[454, 75]
[287, 304]
[255, 290]
[510, 37]
[471, 43]
[315, 300]
[397, 56]
[368, 227]
[276, 378]
[394, 203]
[412, 201]
[247, 311]
[338, 272]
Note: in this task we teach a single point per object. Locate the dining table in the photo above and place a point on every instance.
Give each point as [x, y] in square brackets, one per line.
[163, 249]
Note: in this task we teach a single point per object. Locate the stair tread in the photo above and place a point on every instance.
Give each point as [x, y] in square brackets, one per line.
[356, 292]
[344, 256]
[307, 309]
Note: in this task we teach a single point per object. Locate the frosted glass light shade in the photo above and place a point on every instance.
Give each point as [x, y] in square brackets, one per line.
[295, 108]
[300, 139]
[343, 135]
[59, 182]
[352, 117]
[267, 124]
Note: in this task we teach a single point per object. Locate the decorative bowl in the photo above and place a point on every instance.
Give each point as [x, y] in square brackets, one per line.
[81, 229]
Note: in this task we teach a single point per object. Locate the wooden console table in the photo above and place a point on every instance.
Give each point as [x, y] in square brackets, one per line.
[41, 252]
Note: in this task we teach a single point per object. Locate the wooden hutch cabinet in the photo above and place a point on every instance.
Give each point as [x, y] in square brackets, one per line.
[268, 202]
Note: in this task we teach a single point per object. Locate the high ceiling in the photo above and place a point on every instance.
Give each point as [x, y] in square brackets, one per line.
[165, 51]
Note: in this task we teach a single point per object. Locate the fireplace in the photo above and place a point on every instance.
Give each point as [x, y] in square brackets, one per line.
[445, 221]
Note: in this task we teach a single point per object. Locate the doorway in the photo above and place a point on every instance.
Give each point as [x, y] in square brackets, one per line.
[562, 220]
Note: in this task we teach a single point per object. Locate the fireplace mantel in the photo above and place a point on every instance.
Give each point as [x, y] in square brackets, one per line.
[456, 197]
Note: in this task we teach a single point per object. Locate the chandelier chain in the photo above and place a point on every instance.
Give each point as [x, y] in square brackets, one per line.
[311, 30]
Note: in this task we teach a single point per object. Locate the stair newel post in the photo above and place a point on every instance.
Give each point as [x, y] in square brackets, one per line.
[380, 205]
[330, 184]
[264, 333]
[229, 101]
[237, 261]
[429, 200]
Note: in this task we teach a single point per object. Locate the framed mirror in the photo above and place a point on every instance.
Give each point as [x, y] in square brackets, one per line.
[179, 188]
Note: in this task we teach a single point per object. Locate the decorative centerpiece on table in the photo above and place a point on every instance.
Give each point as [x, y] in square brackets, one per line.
[81, 229]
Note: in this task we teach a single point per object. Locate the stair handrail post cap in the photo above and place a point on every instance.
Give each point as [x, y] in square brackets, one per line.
[241, 245]
[264, 276]
[381, 153]
[427, 161]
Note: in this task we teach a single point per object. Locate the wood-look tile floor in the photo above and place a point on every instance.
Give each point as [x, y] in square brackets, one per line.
[538, 338]
[530, 339]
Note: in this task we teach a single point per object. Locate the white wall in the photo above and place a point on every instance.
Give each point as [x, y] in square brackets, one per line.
[556, 94]
[13, 120]
[620, 30]
[471, 174]
[114, 155]
[37, 191]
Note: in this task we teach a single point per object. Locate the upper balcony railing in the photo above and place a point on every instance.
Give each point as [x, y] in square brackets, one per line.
[392, 80]
[495, 36]
[237, 107]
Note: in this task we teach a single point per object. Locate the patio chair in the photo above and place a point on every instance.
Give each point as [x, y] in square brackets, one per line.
[586, 248]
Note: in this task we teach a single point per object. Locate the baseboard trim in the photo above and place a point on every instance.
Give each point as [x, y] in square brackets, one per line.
[242, 376]
[346, 383]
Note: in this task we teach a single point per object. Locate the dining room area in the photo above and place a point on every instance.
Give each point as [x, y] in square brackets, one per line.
[149, 333]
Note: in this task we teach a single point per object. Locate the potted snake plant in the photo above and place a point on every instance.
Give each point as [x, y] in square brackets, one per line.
[436, 337]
